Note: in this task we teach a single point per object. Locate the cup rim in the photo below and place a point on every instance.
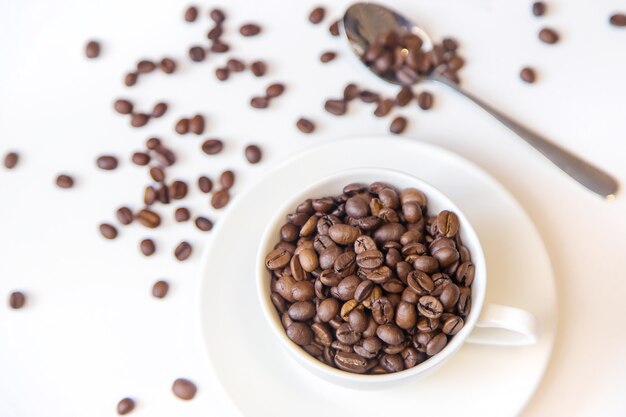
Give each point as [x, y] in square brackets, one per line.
[312, 364]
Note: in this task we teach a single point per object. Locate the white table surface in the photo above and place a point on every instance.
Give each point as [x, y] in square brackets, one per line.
[92, 334]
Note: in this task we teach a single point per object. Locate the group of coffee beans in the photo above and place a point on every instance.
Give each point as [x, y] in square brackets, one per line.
[369, 281]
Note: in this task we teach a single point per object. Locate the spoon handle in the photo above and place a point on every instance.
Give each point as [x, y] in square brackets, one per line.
[586, 174]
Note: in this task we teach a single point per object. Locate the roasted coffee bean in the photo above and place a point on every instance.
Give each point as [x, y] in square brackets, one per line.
[205, 184]
[317, 15]
[215, 33]
[227, 179]
[390, 334]
[157, 174]
[358, 320]
[404, 96]
[217, 15]
[125, 406]
[64, 181]
[145, 66]
[277, 258]
[425, 100]
[184, 389]
[528, 75]
[183, 251]
[259, 102]
[301, 311]
[328, 309]
[178, 190]
[449, 296]
[465, 273]
[219, 47]
[139, 119]
[327, 56]
[302, 290]
[130, 79]
[305, 125]
[108, 231]
[220, 198]
[300, 333]
[235, 65]
[140, 158]
[182, 214]
[452, 324]
[384, 107]
[548, 36]
[17, 299]
[159, 110]
[378, 275]
[351, 362]
[392, 363]
[274, 90]
[212, 146]
[249, 29]
[107, 162]
[191, 14]
[389, 232]
[411, 357]
[436, 344]
[160, 289]
[336, 107]
[618, 19]
[539, 8]
[92, 49]
[347, 287]
[406, 315]
[447, 223]
[204, 224]
[420, 282]
[382, 310]
[165, 156]
[370, 259]
[345, 264]
[347, 335]
[197, 54]
[430, 307]
[343, 234]
[334, 28]
[182, 126]
[196, 124]
[222, 74]
[123, 106]
[322, 333]
[167, 65]
[465, 304]
[258, 68]
[426, 264]
[147, 247]
[149, 218]
[10, 160]
[350, 92]
[398, 125]
[124, 215]
[253, 154]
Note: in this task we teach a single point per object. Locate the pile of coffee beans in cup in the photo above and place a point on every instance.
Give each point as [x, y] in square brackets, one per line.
[369, 281]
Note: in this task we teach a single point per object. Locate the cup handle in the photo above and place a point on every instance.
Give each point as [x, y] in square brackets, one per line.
[505, 326]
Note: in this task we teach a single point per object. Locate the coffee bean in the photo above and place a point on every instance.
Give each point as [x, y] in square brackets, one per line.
[350, 92]
[108, 231]
[222, 73]
[452, 325]
[334, 28]
[165, 156]
[167, 65]
[125, 406]
[220, 198]
[527, 74]
[215, 33]
[196, 124]
[124, 215]
[217, 15]
[447, 223]
[384, 107]
[148, 218]
[130, 79]
[367, 96]
[10, 160]
[182, 126]
[212, 146]
[147, 247]
[184, 389]
[17, 299]
[258, 68]
[92, 49]
[123, 106]
[398, 125]
[235, 65]
[425, 100]
[618, 19]
[159, 109]
[205, 184]
[139, 119]
[390, 333]
[140, 158]
[430, 307]
[249, 29]
[351, 362]
[157, 174]
[253, 154]
[191, 14]
[259, 102]
[178, 190]
[406, 315]
[382, 310]
[449, 44]
[336, 107]
[64, 181]
[343, 234]
[548, 36]
[317, 15]
[305, 125]
[183, 251]
[436, 344]
[197, 54]
[404, 96]
[300, 333]
[327, 56]
[153, 143]
[145, 66]
[182, 214]
[219, 47]
[204, 224]
[539, 8]
[227, 179]
[274, 90]
[107, 162]
[160, 289]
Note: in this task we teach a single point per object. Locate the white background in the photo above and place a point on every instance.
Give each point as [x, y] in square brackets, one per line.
[92, 334]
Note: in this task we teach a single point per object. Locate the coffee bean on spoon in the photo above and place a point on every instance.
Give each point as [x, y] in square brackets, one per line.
[123, 106]
[92, 49]
[249, 29]
[253, 154]
[160, 289]
[17, 299]
[147, 247]
[548, 36]
[184, 389]
[64, 181]
[317, 15]
[183, 251]
[10, 160]
[125, 406]
[107, 162]
[527, 74]
[305, 125]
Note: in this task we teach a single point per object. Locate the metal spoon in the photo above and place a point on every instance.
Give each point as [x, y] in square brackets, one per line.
[364, 22]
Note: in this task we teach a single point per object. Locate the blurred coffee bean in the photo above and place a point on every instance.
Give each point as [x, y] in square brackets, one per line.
[327, 56]
[64, 181]
[183, 251]
[305, 125]
[317, 15]
[258, 68]
[548, 36]
[539, 8]
[107, 162]
[220, 198]
[618, 19]
[527, 74]
[147, 247]
[204, 224]
[184, 389]
[398, 125]
[182, 214]
[108, 231]
[250, 29]
[197, 54]
[159, 110]
[17, 299]
[191, 14]
[253, 154]
[92, 49]
[125, 406]
[167, 65]
[123, 106]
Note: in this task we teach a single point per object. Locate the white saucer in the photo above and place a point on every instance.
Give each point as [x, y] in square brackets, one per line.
[260, 378]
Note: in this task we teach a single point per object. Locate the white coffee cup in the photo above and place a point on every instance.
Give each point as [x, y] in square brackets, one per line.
[491, 324]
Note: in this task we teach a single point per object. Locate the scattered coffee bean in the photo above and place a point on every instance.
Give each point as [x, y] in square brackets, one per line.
[527, 74]
[215, 33]
[107, 162]
[140, 158]
[167, 65]
[217, 15]
[125, 406]
[184, 389]
[159, 109]
[253, 154]
[197, 54]
[153, 143]
[250, 29]
[384, 107]
[404, 96]
[367, 96]
[145, 66]
[227, 179]
[130, 79]
[548, 36]
[124, 215]
[108, 231]
[305, 125]
[334, 28]
[618, 19]
[259, 102]
[204, 224]
[17, 299]
[196, 124]
[147, 247]
[178, 190]
[139, 119]
[191, 14]
[212, 146]
[182, 214]
[10, 160]
[150, 196]
[157, 174]
[425, 100]
[219, 47]
[336, 107]
[539, 8]
[220, 198]
[92, 49]
[274, 90]
[222, 73]
[327, 57]
[317, 15]
[258, 68]
[398, 125]
[350, 92]
[123, 106]
[160, 289]
[182, 126]
[64, 181]
[149, 218]
[183, 251]
[205, 184]
[235, 65]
